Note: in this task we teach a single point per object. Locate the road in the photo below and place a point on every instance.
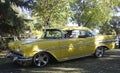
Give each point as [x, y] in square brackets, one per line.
[110, 63]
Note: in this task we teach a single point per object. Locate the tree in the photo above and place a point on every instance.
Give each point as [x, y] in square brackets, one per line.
[52, 12]
[92, 13]
[10, 22]
[115, 24]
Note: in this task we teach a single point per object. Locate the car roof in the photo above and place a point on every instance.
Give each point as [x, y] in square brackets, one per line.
[70, 28]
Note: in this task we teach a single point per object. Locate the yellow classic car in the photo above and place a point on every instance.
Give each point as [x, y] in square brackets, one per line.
[62, 44]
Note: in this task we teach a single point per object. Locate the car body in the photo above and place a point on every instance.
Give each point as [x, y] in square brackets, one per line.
[62, 43]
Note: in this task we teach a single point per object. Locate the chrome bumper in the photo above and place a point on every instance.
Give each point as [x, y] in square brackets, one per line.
[16, 57]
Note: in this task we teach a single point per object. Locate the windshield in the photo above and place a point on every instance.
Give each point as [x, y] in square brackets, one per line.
[52, 34]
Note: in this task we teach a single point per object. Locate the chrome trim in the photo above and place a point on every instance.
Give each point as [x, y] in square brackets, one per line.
[66, 46]
[108, 41]
[75, 45]
[15, 57]
[25, 59]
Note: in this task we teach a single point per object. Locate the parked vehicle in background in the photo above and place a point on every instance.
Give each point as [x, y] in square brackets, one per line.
[117, 43]
[63, 43]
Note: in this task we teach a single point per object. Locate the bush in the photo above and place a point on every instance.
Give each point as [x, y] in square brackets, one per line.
[4, 42]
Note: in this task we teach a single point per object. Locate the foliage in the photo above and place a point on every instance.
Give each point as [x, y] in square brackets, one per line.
[52, 12]
[93, 13]
[89, 13]
[115, 24]
[10, 20]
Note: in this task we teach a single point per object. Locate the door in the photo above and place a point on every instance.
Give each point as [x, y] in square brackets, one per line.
[87, 42]
[69, 48]
[70, 45]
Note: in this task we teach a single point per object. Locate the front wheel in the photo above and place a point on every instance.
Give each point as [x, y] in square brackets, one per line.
[99, 52]
[41, 59]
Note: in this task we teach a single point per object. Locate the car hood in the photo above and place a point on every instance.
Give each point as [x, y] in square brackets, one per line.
[17, 44]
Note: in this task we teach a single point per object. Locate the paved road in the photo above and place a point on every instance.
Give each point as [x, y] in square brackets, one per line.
[110, 63]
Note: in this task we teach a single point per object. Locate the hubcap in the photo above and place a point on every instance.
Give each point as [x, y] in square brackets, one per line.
[41, 60]
[99, 52]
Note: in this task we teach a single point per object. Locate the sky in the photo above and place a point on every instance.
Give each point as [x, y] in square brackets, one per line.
[116, 14]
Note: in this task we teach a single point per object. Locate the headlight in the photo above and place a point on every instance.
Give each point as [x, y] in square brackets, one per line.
[18, 49]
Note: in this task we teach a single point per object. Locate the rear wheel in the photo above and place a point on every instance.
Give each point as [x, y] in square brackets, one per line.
[99, 52]
[41, 59]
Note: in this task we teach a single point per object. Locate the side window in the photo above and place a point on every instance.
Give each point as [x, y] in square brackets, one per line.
[84, 34]
[68, 34]
[71, 33]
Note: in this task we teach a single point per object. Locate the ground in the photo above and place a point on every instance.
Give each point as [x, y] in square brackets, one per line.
[110, 63]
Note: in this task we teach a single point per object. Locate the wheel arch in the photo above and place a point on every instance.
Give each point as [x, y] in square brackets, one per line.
[106, 48]
[51, 56]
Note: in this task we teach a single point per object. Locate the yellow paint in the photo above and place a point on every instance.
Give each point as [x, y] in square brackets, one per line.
[63, 49]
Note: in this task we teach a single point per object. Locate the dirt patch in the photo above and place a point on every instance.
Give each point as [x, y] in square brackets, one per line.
[110, 63]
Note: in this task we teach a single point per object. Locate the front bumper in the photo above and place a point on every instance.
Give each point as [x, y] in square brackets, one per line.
[17, 57]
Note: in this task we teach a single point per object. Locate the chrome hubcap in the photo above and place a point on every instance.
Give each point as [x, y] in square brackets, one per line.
[41, 60]
[99, 52]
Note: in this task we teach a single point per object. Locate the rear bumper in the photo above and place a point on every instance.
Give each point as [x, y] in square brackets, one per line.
[16, 57]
